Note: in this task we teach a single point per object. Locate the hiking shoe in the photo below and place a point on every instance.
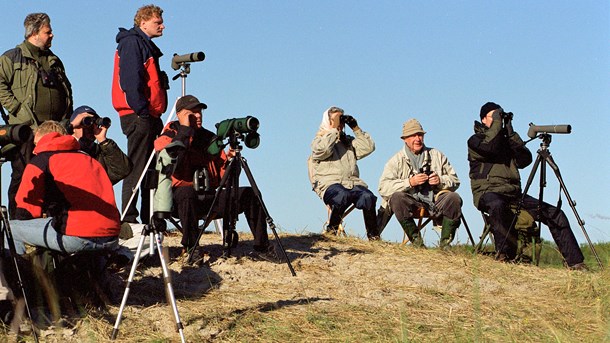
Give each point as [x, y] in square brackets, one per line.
[331, 231]
[579, 266]
[126, 231]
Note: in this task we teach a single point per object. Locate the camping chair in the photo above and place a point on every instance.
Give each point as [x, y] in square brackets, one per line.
[340, 229]
[529, 243]
[422, 216]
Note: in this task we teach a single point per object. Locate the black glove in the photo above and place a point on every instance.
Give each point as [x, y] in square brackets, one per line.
[351, 122]
[508, 124]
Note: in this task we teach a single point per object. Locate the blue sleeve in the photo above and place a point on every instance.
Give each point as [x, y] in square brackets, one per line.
[132, 74]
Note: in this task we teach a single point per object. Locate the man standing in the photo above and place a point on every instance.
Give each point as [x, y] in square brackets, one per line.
[139, 95]
[418, 176]
[33, 88]
[334, 174]
[496, 153]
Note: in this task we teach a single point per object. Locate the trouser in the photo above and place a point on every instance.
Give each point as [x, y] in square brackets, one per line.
[501, 216]
[447, 204]
[141, 134]
[18, 166]
[340, 198]
[189, 208]
[39, 232]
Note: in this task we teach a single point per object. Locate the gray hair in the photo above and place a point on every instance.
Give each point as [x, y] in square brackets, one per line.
[335, 109]
[34, 22]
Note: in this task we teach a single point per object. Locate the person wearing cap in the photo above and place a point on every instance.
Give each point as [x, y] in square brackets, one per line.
[187, 203]
[420, 176]
[139, 95]
[334, 174]
[496, 153]
[65, 201]
[33, 88]
[92, 138]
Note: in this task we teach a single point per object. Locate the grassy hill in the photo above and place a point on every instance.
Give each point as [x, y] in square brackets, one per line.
[350, 290]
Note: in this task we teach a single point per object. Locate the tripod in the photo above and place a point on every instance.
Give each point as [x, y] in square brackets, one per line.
[230, 183]
[543, 159]
[7, 234]
[157, 234]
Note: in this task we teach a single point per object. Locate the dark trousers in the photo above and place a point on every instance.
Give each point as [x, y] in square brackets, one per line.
[448, 204]
[141, 134]
[190, 207]
[340, 198]
[501, 216]
[18, 166]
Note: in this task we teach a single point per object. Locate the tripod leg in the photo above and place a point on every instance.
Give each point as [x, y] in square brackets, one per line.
[134, 266]
[270, 223]
[572, 204]
[208, 216]
[11, 244]
[168, 287]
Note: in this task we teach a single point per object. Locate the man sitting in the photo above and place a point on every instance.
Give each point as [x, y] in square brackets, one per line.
[188, 132]
[72, 189]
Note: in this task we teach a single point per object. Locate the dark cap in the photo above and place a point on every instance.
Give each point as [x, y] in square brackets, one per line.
[83, 109]
[189, 102]
[490, 106]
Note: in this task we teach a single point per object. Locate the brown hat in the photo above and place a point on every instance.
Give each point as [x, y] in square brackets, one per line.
[189, 102]
[411, 127]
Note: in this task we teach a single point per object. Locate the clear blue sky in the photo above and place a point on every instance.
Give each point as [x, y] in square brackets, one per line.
[384, 62]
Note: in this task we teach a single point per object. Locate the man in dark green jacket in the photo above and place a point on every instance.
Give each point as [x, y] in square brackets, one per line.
[33, 88]
[496, 153]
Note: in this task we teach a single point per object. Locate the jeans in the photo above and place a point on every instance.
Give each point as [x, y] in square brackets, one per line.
[39, 232]
[339, 197]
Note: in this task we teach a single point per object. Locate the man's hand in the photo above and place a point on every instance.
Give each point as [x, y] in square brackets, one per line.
[351, 122]
[434, 179]
[418, 179]
[100, 133]
[183, 117]
[78, 121]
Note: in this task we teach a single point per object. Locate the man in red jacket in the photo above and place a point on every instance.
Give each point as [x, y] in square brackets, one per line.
[186, 202]
[71, 188]
[139, 95]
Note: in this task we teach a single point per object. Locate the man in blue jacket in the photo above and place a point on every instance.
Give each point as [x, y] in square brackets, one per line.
[139, 95]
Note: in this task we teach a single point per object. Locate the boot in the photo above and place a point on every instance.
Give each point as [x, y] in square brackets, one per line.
[383, 217]
[448, 232]
[409, 227]
[334, 221]
[370, 223]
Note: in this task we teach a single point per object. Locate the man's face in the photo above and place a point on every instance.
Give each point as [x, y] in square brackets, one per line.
[195, 118]
[42, 38]
[488, 119]
[81, 130]
[415, 142]
[153, 27]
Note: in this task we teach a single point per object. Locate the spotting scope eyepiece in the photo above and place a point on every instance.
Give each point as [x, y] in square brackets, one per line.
[534, 130]
[177, 60]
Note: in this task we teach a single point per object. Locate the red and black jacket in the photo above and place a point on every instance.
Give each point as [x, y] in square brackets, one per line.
[195, 157]
[70, 186]
[138, 84]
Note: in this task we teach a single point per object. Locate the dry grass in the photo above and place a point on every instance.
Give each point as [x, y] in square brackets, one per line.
[350, 290]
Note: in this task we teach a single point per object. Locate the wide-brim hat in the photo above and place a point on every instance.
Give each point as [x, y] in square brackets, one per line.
[411, 127]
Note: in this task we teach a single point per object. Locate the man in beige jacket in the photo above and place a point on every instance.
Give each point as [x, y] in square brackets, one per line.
[418, 176]
[334, 174]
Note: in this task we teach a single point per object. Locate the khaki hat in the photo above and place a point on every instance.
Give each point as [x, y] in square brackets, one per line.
[411, 127]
